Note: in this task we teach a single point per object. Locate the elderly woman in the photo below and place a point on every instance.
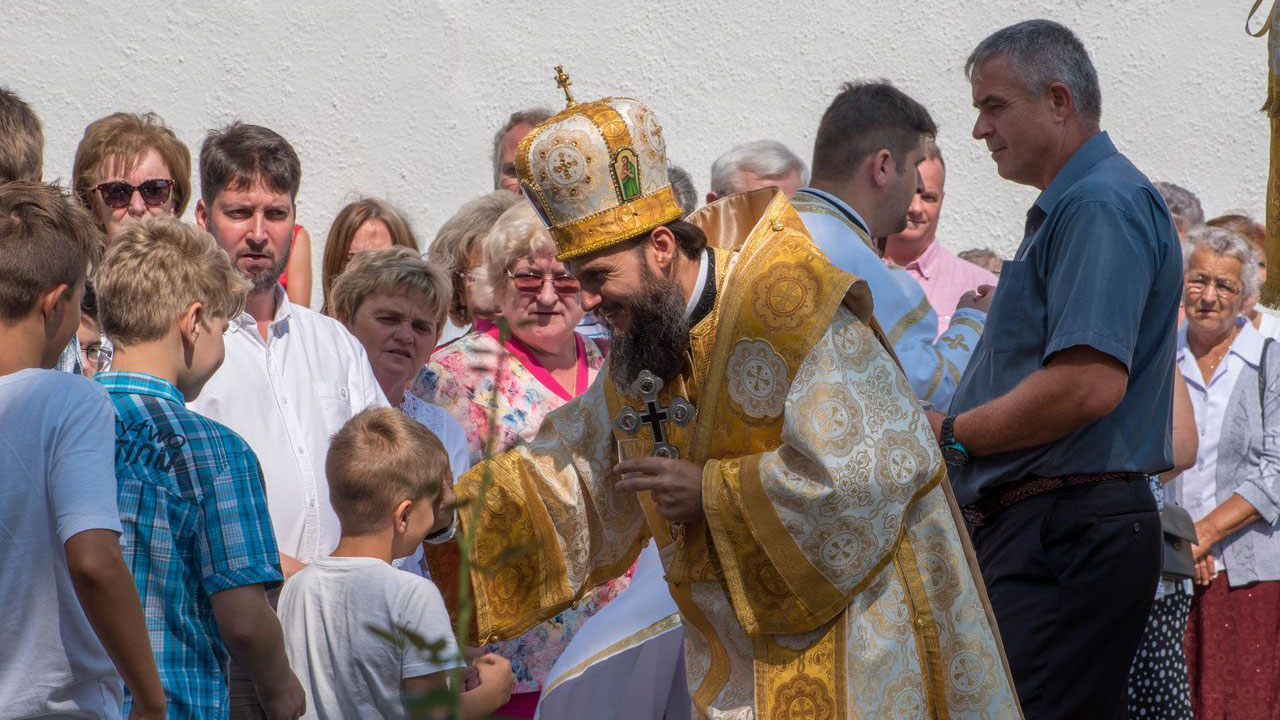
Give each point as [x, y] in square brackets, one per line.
[516, 379]
[128, 166]
[366, 224]
[1233, 490]
[394, 303]
[1246, 227]
[459, 244]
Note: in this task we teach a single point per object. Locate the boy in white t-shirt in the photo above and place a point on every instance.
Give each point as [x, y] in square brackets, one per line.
[351, 620]
[72, 624]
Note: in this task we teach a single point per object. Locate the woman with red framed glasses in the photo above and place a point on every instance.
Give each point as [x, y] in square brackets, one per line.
[519, 373]
[128, 166]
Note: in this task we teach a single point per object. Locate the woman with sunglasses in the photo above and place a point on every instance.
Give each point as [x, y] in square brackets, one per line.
[128, 166]
[533, 364]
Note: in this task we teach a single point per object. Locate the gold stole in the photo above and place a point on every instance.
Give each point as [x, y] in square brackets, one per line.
[775, 305]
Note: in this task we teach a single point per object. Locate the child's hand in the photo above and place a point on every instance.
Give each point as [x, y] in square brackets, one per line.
[495, 675]
[470, 678]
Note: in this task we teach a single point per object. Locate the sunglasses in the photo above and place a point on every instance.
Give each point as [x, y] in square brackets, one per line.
[116, 195]
[532, 282]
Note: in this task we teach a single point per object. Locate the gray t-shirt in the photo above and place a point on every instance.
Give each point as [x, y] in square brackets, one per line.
[1099, 266]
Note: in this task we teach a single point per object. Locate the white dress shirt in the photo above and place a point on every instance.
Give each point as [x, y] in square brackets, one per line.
[1210, 401]
[286, 396]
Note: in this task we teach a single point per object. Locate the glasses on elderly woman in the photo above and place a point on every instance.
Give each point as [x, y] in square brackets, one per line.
[1198, 284]
[531, 282]
[117, 194]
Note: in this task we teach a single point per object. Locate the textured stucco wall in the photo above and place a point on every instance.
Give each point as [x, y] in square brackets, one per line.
[400, 99]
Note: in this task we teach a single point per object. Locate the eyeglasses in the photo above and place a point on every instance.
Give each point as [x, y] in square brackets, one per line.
[1198, 284]
[532, 282]
[98, 354]
[116, 195]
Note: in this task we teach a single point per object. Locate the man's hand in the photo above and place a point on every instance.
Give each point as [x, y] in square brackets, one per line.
[979, 299]
[935, 422]
[676, 485]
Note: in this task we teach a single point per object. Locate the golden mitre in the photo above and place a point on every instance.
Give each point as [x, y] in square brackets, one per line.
[597, 173]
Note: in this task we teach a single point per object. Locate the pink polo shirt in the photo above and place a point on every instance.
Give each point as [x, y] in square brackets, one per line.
[945, 278]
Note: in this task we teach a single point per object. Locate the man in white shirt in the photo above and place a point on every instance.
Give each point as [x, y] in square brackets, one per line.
[292, 377]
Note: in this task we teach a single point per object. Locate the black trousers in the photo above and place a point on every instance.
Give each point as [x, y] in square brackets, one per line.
[1071, 575]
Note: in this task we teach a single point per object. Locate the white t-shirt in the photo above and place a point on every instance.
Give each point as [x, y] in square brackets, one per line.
[57, 479]
[347, 670]
[286, 396]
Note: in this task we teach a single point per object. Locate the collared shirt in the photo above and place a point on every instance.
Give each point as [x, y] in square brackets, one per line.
[932, 362]
[1099, 266]
[945, 278]
[195, 523]
[287, 395]
[1210, 401]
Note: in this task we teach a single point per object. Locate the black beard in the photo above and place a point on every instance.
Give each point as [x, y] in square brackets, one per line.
[657, 337]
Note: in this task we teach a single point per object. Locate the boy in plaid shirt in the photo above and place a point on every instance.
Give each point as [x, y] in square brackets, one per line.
[196, 530]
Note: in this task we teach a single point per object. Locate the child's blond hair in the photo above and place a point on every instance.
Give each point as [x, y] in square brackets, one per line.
[154, 271]
[378, 459]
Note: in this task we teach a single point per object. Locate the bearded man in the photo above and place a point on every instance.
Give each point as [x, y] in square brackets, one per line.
[753, 424]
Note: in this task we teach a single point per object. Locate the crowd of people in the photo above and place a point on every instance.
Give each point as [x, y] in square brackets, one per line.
[943, 483]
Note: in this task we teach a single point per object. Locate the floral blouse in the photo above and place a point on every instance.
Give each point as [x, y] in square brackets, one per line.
[468, 377]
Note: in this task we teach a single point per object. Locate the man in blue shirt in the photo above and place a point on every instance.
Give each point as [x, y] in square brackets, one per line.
[1065, 407]
[870, 142]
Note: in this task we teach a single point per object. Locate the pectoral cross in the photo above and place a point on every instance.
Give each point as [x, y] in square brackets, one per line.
[563, 82]
[647, 386]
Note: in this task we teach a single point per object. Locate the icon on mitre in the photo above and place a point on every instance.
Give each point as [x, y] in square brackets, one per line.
[626, 171]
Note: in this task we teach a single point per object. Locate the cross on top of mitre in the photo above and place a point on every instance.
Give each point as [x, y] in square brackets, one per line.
[563, 82]
[653, 415]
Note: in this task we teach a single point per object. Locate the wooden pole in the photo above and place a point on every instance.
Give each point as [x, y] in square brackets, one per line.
[1270, 296]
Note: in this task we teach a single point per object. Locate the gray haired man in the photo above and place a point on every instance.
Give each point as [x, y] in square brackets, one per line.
[521, 123]
[1183, 205]
[1065, 408]
[753, 165]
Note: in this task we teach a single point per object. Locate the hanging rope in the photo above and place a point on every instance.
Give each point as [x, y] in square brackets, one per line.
[1270, 297]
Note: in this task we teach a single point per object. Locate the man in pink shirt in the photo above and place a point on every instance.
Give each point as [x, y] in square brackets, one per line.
[943, 276]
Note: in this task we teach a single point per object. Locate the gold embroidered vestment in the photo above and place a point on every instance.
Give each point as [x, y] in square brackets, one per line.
[829, 578]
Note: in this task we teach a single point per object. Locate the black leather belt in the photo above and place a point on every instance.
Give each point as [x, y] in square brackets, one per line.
[1010, 494]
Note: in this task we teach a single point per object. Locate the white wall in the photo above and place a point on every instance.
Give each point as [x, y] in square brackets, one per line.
[400, 99]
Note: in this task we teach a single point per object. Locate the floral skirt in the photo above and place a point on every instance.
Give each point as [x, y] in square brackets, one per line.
[1158, 687]
[1233, 651]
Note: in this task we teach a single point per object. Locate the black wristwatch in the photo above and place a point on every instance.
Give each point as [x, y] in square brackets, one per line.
[954, 453]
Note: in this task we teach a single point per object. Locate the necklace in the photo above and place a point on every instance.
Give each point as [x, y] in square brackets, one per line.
[1209, 364]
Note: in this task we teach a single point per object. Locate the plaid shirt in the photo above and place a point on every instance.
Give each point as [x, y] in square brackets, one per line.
[195, 522]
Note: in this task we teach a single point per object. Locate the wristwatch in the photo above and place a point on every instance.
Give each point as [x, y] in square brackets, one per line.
[954, 453]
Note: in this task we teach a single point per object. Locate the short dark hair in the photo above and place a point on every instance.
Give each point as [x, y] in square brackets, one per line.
[239, 154]
[21, 140]
[379, 458]
[689, 238]
[46, 239]
[863, 119]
